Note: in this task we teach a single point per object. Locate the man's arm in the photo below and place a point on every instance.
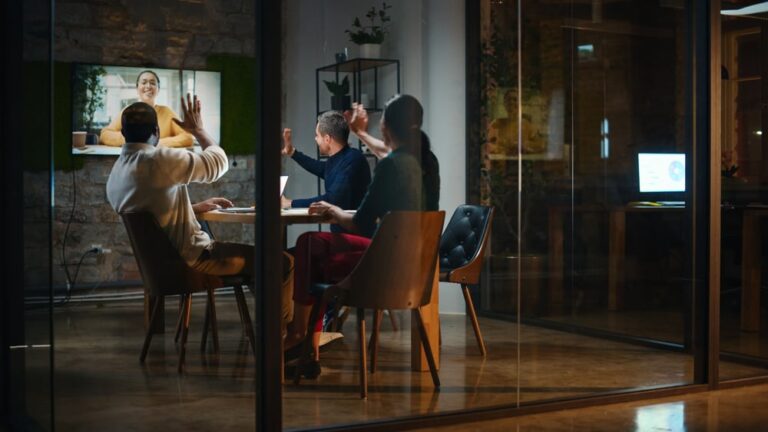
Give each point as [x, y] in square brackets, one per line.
[178, 137]
[312, 165]
[193, 122]
[183, 167]
[211, 204]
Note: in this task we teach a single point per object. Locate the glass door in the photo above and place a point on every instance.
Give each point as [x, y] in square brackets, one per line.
[744, 158]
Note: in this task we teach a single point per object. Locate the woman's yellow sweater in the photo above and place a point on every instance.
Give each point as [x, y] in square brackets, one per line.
[171, 135]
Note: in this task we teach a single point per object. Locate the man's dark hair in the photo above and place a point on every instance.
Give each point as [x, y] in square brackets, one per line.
[139, 122]
[138, 77]
[333, 123]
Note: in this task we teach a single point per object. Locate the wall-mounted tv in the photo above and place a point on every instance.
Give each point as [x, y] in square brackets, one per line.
[101, 92]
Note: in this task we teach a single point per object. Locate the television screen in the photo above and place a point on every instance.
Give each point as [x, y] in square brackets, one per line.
[100, 93]
[661, 172]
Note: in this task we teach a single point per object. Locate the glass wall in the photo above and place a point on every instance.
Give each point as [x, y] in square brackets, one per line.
[744, 42]
[574, 121]
[26, 127]
[105, 281]
[587, 156]
[579, 133]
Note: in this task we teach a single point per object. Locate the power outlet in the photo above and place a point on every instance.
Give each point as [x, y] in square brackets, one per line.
[238, 163]
[100, 249]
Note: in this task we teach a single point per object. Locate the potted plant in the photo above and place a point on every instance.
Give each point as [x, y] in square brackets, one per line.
[340, 99]
[370, 37]
[89, 97]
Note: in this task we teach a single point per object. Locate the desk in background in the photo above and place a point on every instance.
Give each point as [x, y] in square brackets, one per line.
[617, 223]
[750, 243]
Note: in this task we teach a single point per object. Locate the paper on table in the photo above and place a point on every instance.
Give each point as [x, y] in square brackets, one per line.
[295, 211]
[238, 210]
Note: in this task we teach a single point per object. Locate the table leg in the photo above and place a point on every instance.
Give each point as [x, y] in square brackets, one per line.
[431, 316]
[555, 258]
[616, 250]
[750, 272]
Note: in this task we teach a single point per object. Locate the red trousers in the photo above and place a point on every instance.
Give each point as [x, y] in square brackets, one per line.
[325, 258]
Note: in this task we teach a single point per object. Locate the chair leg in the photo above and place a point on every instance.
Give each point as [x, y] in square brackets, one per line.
[206, 325]
[392, 320]
[210, 323]
[473, 317]
[245, 316]
[341, 318]
[363, 363]
[148, 337]
[182, 298]
[240, 311]
[308, 344]
[187, 310]
[427, 349]
[374, 343]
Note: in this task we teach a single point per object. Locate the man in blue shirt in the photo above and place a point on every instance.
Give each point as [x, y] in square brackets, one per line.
[346, 172]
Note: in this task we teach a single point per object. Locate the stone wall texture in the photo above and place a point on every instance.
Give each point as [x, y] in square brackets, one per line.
[163, 34]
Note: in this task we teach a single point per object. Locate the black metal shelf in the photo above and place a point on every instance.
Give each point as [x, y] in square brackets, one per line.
[355, 68]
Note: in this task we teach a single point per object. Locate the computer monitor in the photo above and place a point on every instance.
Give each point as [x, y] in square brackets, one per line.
[101, 92]
[661, 173]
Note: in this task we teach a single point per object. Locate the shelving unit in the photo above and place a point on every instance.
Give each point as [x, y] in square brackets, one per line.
[362, 72]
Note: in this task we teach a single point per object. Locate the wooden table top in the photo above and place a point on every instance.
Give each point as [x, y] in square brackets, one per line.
[287, 216]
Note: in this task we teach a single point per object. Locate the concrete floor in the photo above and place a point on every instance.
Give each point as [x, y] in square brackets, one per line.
[100, 385]
[733, 410]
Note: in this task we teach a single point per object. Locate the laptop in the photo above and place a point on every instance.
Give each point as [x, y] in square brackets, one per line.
[283, 182]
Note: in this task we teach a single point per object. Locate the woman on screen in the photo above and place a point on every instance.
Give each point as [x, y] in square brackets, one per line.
[171, 135]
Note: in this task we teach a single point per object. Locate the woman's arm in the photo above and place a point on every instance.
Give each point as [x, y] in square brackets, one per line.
[335, 215]
[112, 134]
[375, 145]
[357, 118]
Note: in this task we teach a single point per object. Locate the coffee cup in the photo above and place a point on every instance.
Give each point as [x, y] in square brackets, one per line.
[78, 139]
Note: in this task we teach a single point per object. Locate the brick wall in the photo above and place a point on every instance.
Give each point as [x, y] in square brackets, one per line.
[161, 33]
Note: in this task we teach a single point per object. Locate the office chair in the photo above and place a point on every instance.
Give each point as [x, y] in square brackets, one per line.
[395, 272]
[165, 273]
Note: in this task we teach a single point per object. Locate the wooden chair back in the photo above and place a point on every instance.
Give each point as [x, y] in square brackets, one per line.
[398, 268]
[163, 270]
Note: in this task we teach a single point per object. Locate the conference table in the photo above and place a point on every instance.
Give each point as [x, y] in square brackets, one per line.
[430, 313]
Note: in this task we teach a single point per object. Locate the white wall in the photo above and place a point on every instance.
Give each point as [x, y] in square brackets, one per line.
[428, 38]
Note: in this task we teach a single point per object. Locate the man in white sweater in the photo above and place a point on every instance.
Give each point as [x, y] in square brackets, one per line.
[150, 178]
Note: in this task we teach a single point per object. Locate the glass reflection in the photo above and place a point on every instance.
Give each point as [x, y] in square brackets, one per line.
[743, 180]
[574, 94]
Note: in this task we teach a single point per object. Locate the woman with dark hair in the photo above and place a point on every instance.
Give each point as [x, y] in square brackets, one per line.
[407, 178]
[171, 135]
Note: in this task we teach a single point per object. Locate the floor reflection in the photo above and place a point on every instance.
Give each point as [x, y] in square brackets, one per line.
[100, 383]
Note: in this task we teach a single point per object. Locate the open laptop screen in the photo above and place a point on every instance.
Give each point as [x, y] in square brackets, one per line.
[283, 182]
[661, 172]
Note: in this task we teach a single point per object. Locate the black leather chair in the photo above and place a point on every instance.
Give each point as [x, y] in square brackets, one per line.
[462, 248]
